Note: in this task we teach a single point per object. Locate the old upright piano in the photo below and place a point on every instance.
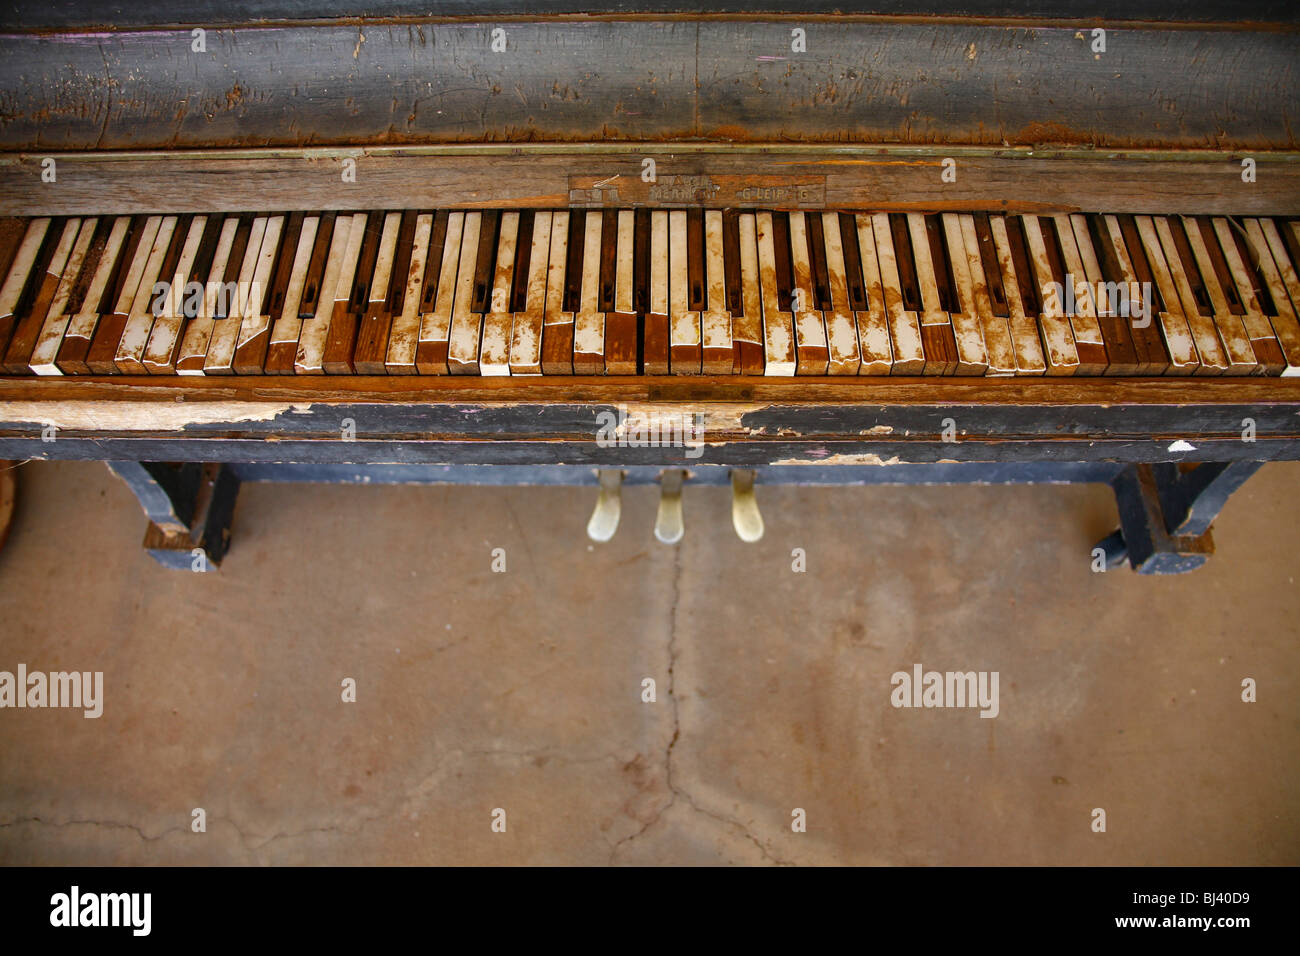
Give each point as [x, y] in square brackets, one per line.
[725, 242]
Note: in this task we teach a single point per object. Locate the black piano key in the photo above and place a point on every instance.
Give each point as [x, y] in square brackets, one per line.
[485, 270]
[784, 264]
[735, 303]
[282, 267]
[695, 259]
[1127, 355]
[433, 262]
[821, 283]
[641, 282]
[1190, 266]
[401, 273]
[1148, 338]
[573, 261]
[523, 262]
[989, 262]
[1030, 297]
[12, 230]
[859, 301]
[19, 331]
[369, 252]
[311, 286]
[1220, 265]
[608, 260]
[1247, 253]
[910, 287]
[81, 285]
[235, 264]
[939, 253]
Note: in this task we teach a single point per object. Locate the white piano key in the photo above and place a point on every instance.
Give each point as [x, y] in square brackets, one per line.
[621, 323]
[683, 324]
[932, 312]
[1256, 323]
[1214, 360]
[220, 359]
[659, 302]
[1283, 287]
[1058, 334]
[1023, 327]
[904, 325]
[198, 334]
[161, 345]
[844, 355]
[1183, 357]
[310, 359]
[748, 328]
[82, 325]
[348, 265]
[135, 269]
[1232, 330]
[877, 352]
[589, 321]
[623, 263]
[810, 349]
[49, 339]
[715, 320]
[140, 318]
[381, 277]
[288, 325]
[526, 333]
[778, 327]
[967, 322]
[404, 337]
[557, 324]
[1084, 324]
[658, 332]
[255, 321]
[999, 352]
[494, 353]
[1137, 294]
[466, 325]
[435, 326]
[21, 268]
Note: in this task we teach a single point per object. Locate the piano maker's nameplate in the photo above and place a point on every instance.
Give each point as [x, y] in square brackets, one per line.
[767, 192]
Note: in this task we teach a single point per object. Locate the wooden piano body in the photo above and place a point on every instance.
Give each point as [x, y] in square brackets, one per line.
[1000, 112]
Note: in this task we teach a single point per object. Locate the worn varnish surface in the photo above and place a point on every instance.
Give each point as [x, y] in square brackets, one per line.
[539, 176]
[745, 421]
[859, 81]
[83, 14]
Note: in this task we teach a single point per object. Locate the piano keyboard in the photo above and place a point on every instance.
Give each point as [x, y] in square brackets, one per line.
[648, 292]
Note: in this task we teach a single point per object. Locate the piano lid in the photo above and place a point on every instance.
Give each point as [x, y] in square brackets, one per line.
[83, 76]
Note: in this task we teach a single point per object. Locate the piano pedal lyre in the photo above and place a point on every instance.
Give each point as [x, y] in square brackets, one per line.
[745, 516]
[609, 505]
[669, 524]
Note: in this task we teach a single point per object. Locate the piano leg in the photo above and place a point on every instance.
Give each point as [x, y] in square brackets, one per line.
[1165, 509]
[189, 507]
[1192, 499]
[1165, 514]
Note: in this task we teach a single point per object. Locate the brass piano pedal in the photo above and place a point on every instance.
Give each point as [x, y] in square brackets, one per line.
[745, 516]
[609, 505]
[669, 526]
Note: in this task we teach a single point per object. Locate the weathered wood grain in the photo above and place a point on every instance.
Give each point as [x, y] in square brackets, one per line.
[82, 14]
[539, 177]
[868, 80]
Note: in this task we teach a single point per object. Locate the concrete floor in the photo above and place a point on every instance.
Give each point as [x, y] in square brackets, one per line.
[522, 690]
